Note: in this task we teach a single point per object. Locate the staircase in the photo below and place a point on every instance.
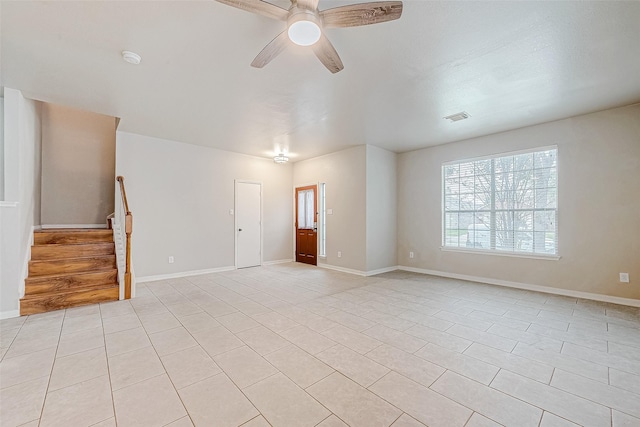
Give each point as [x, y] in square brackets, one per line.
[68, 268]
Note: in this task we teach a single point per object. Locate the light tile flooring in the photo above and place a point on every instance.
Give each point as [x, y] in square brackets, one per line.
[292, 345]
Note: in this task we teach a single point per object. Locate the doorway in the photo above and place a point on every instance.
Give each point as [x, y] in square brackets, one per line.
[248, 224]
[306, 224]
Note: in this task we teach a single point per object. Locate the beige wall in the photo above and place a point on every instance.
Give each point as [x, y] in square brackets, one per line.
[180, 196]
[381, 208]
[78, 166]
[344, 173]
[599, 205]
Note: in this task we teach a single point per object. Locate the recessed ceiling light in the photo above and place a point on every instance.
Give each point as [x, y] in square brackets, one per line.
[281, 158]
[131, 57]
[458, 116]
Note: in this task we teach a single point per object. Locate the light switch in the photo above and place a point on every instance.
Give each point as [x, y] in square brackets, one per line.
[329, 211]
[230, 211]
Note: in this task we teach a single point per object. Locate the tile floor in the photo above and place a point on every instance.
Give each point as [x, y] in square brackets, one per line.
[292, 345]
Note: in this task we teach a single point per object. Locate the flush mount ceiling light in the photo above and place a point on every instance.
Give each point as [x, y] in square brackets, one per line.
[458, 116]
[281, 158]
[306, 24]
[303, 30]
[131, 57]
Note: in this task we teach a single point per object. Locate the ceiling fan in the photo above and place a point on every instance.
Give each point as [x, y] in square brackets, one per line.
[305, 25]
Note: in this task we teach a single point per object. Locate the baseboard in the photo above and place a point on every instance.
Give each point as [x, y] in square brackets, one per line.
[343, 269]
[145, 279]
[9, 314]
[381, 270]
[278, 261]
[56, 226]
[526, 286]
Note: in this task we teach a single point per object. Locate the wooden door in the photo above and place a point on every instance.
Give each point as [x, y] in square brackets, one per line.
[306, 224]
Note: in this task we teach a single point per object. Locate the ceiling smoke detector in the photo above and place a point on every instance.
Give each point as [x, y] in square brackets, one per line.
[458, 116]
[281, 158]
[131, 57]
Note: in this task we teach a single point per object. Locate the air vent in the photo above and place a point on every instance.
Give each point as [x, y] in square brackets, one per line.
[458, 116]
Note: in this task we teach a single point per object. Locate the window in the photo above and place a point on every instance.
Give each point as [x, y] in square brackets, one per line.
[306, 214]
[507, 203]
[322, 230]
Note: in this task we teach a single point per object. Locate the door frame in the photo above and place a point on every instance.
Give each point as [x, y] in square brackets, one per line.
[235, 219]
[295, 219]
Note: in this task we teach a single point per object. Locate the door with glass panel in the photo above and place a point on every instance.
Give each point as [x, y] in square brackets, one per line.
[306, 224]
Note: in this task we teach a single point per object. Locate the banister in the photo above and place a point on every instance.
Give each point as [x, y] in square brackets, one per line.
[128, 229]
[123, 192]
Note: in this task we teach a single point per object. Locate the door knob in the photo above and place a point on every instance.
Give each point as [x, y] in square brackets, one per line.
[239, 229]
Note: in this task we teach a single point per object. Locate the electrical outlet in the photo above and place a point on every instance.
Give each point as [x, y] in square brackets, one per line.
[624, 277]
[339, 254]
[410, 254]
[171, 259]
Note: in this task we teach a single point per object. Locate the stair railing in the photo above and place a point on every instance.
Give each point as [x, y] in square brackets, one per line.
[123, 227]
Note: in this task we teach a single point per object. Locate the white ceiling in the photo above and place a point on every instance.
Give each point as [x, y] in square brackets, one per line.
[509, 64]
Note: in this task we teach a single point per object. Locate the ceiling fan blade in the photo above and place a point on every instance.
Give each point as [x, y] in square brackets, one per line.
[327, 54]
[260, 7]
[355, 15]
[270, 51]
[307, 4]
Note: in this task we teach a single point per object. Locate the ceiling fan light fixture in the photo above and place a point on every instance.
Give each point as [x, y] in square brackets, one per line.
[303, 29]
[281, 158]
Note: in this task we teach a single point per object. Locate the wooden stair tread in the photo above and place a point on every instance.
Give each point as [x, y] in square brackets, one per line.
[41, 303]
[70, 267]
[72, 230]
[58, 293]
[80, 273]
[72, 250]
[72, 235]
[68, 259]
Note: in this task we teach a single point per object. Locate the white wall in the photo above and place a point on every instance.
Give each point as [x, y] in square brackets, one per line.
[2, 147]
[21, 204]
[78, 166]
[344, 173]
[180, 196]
[381, 208]
[598, 205]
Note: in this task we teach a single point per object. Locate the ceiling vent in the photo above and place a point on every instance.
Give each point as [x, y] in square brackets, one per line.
[458, 116]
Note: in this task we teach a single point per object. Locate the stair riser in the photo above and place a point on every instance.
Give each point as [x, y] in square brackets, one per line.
[45, 238]
[46, 252]
[45, 268]
[38, 285]
[44, 303]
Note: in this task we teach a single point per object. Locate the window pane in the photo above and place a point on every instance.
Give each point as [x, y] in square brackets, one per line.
[545, 159]
[452, 202]
[309, 209]
[523, 162]
[302, 219]
[523, 241]
[466, 169]
[503, 164]
[482, 167]
[508, 203]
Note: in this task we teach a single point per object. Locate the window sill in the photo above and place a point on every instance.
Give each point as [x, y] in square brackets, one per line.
[499, 253]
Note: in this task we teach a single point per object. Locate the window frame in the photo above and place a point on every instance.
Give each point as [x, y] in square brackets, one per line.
[492, 250]
[322, 223]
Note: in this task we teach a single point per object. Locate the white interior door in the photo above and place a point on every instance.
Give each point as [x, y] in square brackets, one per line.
[248, 226]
